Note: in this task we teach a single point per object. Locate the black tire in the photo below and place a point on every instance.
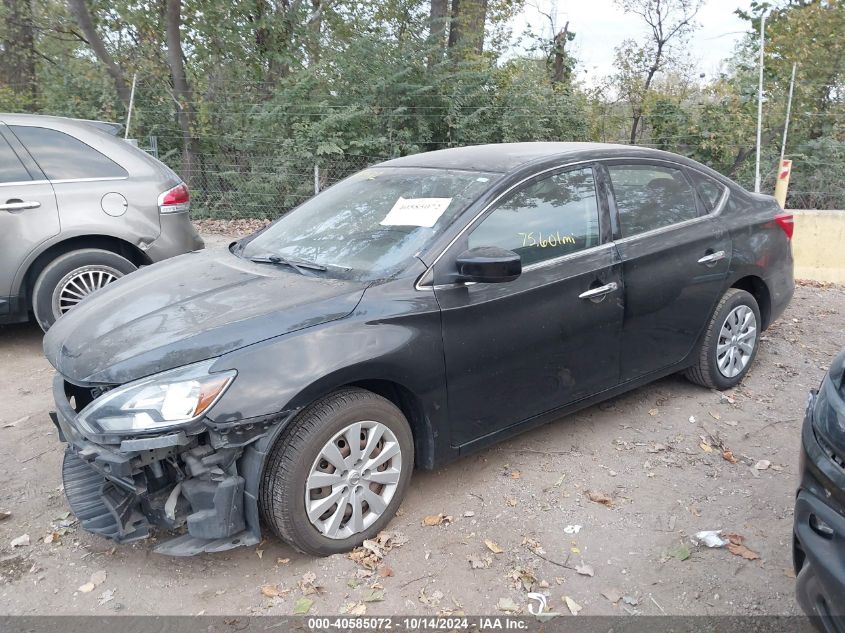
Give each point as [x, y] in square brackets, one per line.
[282, 493]
[706, 371]
[53, 276]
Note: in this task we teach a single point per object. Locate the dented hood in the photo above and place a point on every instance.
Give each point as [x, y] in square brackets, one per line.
[187, 309]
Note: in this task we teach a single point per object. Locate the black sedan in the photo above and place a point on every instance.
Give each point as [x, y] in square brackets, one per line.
[416, 311]
[819, 534]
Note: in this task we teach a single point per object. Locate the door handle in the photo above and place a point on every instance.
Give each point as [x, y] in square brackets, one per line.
[19, 205]
[712, 258]
[601, 291]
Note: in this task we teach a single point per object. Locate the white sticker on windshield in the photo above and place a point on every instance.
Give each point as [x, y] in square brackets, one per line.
[416, 211]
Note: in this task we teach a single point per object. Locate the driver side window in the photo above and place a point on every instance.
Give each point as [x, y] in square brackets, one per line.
[553, 216]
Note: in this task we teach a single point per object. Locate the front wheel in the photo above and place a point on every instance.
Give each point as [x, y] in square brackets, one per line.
[730, 342]
[337, 474]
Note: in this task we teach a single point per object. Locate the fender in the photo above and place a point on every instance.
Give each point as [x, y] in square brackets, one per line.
[128, 235]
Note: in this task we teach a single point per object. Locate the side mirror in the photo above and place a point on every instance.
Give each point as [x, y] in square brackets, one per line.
[489, 265]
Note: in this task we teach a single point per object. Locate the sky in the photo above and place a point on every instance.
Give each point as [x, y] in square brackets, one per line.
[600, 26]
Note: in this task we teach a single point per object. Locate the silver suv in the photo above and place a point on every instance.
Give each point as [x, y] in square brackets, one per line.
[79, 207]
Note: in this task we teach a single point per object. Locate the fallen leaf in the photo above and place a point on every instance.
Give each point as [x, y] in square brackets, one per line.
[523, 577]
[681, 552]
[385, 572]
[479, 562]
[282, 561]
[574, 549]
[106, 596]
[654, 411]
[302, 606]
[88, 587]
[20, 541]
[728, 456]
[372, 551]
[506, 604]
[272, 591]
[763, 464]
[260, 553]
[714, 415]
[573, 606]
[511, 502]
[493, 547]
[584, 570]
[613, 595]
[437, 519]
[534, 546]
[706, 447]
[432, 599]
[375, 596]
[599, 497]
[354, 608]
[737, 549]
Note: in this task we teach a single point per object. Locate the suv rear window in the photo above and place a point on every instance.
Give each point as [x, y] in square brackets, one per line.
[11, 169]
[63, 157]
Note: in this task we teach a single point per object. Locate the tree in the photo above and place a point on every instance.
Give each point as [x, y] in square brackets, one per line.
[17, 61]
[438, 18]
[466, 32]
[182, 94]
[82, 14]
[669, 23]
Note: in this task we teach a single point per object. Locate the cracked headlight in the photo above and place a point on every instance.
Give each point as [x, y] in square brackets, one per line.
[158, 402]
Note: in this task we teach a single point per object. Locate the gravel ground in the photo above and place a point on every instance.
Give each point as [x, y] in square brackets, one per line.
[639, 474]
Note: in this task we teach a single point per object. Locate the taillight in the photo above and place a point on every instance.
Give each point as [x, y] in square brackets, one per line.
[175, 200]
[785, 221]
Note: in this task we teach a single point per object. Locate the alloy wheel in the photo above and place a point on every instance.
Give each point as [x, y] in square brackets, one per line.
[353, 479]
[737, 339]
[79, 283]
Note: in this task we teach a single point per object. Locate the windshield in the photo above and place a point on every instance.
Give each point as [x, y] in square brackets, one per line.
[372, 223]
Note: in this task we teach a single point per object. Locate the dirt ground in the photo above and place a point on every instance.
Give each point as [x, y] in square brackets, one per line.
[654, 456]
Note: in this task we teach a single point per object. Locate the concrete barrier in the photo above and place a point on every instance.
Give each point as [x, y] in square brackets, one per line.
[818, 245]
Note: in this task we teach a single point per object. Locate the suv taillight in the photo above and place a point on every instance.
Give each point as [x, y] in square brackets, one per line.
[785, 221]
[175, 200]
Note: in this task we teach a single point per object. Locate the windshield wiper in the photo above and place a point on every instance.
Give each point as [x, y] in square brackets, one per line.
[298, 265]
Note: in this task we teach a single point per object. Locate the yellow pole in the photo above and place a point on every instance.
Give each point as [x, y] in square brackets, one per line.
[784, 170]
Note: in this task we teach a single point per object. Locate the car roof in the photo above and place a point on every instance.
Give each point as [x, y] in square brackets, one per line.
[507, 157]
[59, 121]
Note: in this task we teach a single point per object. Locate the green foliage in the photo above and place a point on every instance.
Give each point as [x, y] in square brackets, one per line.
[279, 88]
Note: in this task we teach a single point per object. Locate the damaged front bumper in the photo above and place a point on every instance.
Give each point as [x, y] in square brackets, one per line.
[200, 481]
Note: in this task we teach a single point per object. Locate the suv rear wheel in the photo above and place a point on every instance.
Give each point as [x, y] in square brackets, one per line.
[730, 343]
[338, 473]
[72, 277]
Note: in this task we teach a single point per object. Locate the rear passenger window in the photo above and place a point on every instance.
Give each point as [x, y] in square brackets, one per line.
[649, 197]
[62, 157]
[710, 191]
[548, 218]
[11, 169]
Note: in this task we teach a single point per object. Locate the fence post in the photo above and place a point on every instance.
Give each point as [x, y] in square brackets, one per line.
[316, 179]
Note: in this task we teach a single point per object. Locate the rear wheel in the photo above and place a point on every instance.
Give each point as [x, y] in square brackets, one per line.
[72, 277]
[730, 343]
[337, 475]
